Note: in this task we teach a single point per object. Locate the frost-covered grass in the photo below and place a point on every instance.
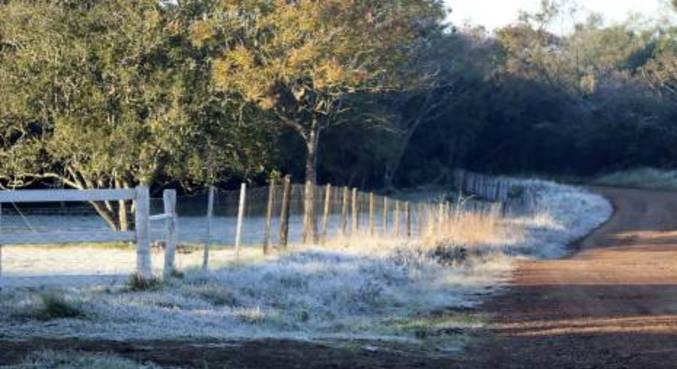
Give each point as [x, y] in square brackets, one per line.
[77, 360]
[649, 178]
[49, 305]
[368, 288]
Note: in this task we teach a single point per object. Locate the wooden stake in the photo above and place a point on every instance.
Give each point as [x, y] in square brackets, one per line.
[384, 217]
[325, 214]
[397, 218]
[372, 215]
[440, 218]
[269, 217]
[210, 227]
[354, 213]
[284, 213]
[240, 218]
[407, 214]
[344, 211]
[169, 200]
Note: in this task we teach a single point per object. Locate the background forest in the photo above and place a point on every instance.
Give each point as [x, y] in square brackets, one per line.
[372, 94]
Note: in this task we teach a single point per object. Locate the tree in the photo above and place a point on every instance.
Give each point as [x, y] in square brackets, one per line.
[102, 94]
[301, 61]
[437, 77]
[661, 70]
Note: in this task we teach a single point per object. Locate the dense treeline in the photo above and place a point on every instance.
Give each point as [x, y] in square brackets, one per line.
[528, 101]
[366, 93]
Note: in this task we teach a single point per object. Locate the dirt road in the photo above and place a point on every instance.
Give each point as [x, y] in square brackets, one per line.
[611, 304]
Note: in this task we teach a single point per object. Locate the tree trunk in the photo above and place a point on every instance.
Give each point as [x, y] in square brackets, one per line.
[123, 215]
[394, 167]
[105, 214]
[309, 215]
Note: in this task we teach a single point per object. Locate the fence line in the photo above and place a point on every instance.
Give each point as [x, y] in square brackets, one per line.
[272, 216]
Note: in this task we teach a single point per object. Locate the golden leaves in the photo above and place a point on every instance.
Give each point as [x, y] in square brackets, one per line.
[331, 46]
[237, 71]
[201, 32]
[239, 60]
[220, 73]
[329, 74]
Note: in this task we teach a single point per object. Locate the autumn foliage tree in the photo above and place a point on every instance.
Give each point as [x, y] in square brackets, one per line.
[301, 61]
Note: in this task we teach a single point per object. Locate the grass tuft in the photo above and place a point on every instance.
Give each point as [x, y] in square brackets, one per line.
[136, 283]
[55, 306]
[49, 305]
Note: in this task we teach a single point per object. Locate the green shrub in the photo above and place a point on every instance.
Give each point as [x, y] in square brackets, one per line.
[55, 306]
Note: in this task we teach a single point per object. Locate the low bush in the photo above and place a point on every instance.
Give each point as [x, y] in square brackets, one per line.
[49, 305]
[138, 283]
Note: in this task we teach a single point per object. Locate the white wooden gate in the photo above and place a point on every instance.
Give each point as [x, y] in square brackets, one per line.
[141, 234]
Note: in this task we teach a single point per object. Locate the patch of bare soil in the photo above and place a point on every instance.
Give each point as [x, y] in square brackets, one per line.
[611, 304]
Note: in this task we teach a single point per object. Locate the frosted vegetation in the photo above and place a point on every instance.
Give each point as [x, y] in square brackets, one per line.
[370, 288]
[649, 178]
[77, 360]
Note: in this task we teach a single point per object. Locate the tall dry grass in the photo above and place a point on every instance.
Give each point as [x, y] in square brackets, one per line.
[438, 226]
[470, 229]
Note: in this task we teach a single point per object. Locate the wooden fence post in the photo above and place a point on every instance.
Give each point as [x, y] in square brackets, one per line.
[240, 218]
[372, 215]
[421, 213]
[384, 217]
[284, 213]
[397, 218]
[269, 217]
[344, 211]
[169, 200]
[325, 214]
[210, 224]
[440, 218]
[142, 227]
[354, 213]
[407, 214]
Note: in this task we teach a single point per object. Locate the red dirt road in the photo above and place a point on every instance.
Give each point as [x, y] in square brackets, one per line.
[611, 304]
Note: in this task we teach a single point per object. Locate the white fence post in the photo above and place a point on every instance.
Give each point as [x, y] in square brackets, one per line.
[210, 220]
[142, 226]
[169, 200]
[240, 218]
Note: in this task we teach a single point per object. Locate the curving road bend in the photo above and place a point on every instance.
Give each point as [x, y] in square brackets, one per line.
[611, 304]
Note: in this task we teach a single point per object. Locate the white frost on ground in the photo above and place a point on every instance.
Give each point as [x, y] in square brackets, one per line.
[368, 291]
[564, 214]
[77, 360]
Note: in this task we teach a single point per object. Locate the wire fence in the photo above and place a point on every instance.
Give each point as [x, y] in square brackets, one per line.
[339, 211]
[221, 222]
